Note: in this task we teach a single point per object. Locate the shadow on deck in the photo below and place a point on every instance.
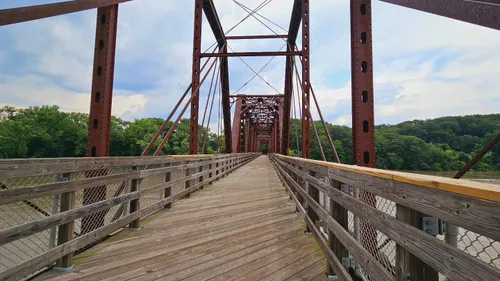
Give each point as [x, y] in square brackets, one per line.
[241, 227]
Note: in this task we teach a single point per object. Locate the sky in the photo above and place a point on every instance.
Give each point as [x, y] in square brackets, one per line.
[425, 66]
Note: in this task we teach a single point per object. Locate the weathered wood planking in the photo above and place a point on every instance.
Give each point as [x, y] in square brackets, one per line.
[362, 256]
[478, 215]
[469, 188]
[230, 236]
[29, 167]
[69, 216]
[448, 260]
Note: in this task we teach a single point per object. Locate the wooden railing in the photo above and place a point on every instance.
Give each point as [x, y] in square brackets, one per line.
[374, 220]
[51, 209]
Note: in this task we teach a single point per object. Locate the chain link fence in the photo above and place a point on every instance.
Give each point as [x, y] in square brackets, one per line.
[153, 186]
[379, 245]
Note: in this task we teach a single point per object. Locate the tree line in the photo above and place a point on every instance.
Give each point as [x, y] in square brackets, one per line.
[441, 144]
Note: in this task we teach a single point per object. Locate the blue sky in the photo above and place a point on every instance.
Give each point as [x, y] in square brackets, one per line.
[425, 66]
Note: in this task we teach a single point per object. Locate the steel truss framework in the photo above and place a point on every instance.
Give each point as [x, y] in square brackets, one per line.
[481, 12]
[257, 120]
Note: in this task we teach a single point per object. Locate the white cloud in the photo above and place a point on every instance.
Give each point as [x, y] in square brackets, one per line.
[425, 66]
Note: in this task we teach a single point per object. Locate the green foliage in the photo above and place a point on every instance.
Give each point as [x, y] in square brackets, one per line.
[45, 132]
[440, 144]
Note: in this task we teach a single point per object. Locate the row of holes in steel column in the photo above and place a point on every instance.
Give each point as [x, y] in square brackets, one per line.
[305, 21]
[97, 96]
[195, 72]
[364, 94]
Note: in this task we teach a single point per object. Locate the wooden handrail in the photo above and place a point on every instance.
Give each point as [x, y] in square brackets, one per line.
[470, 212]
[468, 188]
[203, 168]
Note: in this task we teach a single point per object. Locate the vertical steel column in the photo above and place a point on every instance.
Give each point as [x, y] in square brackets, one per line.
[102, 82]
[285, 110]
[237, 125]
[198, 16]
[282, 143]
[306, 132]
[247, 135]
[363, 132]
[100, 106]
[226, 103]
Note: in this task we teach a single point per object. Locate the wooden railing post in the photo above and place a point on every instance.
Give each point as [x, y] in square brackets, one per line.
[188, 182]
[340, 215]
[65, 231]
[314, 193]
[168, 190]
[135, 205]
[210, 174]
[409, 267]
[200, 169]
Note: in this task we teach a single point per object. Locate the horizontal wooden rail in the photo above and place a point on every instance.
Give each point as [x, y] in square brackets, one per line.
[475, 213]
[205, 169]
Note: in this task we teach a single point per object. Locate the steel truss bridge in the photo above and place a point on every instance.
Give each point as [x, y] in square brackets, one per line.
[252, 217]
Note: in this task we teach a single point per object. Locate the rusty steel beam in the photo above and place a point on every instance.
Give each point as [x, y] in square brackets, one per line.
[256, 96]
[478, 157]
[23, 14]
[293, 29]
[226, 100]
[363, 131]
[195, 102]
[247, 37]
[99, 129]
[213, 20]
[306, 124]
[480, 12]
[102, 82]
[285, 112]
[251, 54]
[236, 132]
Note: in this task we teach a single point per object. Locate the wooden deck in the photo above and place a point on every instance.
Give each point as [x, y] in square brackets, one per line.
[243, 227]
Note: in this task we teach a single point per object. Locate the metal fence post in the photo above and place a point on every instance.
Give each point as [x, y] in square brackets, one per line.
[135, 205]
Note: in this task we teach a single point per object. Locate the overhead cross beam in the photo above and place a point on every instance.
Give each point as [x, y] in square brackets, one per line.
[23, 14]
[481, 12]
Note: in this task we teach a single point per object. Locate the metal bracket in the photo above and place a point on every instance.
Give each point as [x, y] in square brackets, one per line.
[345, 188]
[433, 226]
[348, 262]
[64, 269]
[333, 277]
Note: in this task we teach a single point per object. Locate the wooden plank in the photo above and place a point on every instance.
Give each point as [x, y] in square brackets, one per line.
[135, 205]
[47, 258]
[29, 167]
[65, 231]
[310, 272]
[257, 269]
[226, 256]
[340, 215]
[20, 231]
[9, 196]
[471, 213]
[473, 189]
[332, 259]
[178, 252]
[409, 267]
[362, 256]
[452, 262]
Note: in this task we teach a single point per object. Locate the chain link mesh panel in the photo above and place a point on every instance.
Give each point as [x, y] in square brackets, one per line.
[35, 209]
